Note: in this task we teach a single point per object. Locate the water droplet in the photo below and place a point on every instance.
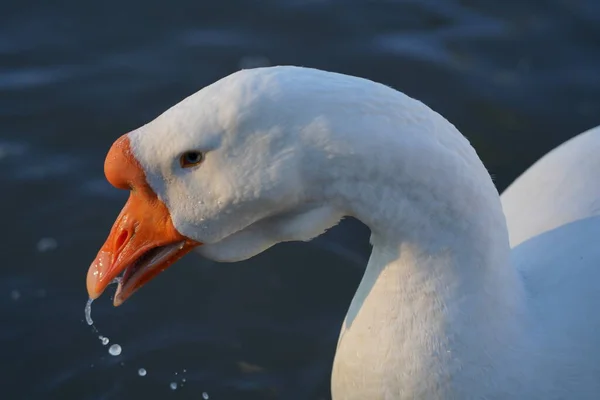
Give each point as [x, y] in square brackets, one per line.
[184, 370]
[205, 395]
[46, 244]
[173, 385]
[114, 350]
[176, 373]
[15, 294]
[142, 372]
[88, 312]
[183, 380]
[103, 339]
[116, 280]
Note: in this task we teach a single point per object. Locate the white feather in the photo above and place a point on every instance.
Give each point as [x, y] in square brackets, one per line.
[445, 310]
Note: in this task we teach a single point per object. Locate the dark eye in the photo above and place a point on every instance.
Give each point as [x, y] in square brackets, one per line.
[191, 159]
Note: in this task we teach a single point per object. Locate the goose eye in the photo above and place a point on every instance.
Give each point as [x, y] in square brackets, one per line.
[191, 159]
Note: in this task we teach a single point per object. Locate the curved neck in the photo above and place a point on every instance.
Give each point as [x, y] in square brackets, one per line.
[440, 241]
[439, 290]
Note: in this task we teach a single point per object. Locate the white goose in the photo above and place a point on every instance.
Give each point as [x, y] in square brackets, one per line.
[445, 310]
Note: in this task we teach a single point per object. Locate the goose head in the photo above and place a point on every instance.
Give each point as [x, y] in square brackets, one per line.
[230, 171]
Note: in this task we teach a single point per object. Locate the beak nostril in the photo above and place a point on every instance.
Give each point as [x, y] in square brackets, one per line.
[121, 240]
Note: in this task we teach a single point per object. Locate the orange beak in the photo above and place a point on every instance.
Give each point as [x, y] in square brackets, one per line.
[143, 241]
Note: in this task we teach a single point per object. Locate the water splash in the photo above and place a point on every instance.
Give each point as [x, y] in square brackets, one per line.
[115, 349]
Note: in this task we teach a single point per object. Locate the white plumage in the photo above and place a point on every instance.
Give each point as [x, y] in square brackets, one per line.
[446, 309]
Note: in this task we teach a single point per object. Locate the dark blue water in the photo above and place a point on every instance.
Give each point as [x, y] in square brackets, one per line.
[517, 78]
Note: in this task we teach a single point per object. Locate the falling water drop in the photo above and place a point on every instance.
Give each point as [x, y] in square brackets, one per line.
[173, 385]
[142, 372]
[88, 312]
[114, 350]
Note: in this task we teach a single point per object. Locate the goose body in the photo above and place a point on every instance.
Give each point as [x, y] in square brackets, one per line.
[446, 309]
[562, 187]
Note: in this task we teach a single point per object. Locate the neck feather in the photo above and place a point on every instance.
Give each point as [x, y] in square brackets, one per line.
[439, 290]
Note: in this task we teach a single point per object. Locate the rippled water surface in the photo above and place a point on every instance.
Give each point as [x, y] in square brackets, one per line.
[517, 78]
